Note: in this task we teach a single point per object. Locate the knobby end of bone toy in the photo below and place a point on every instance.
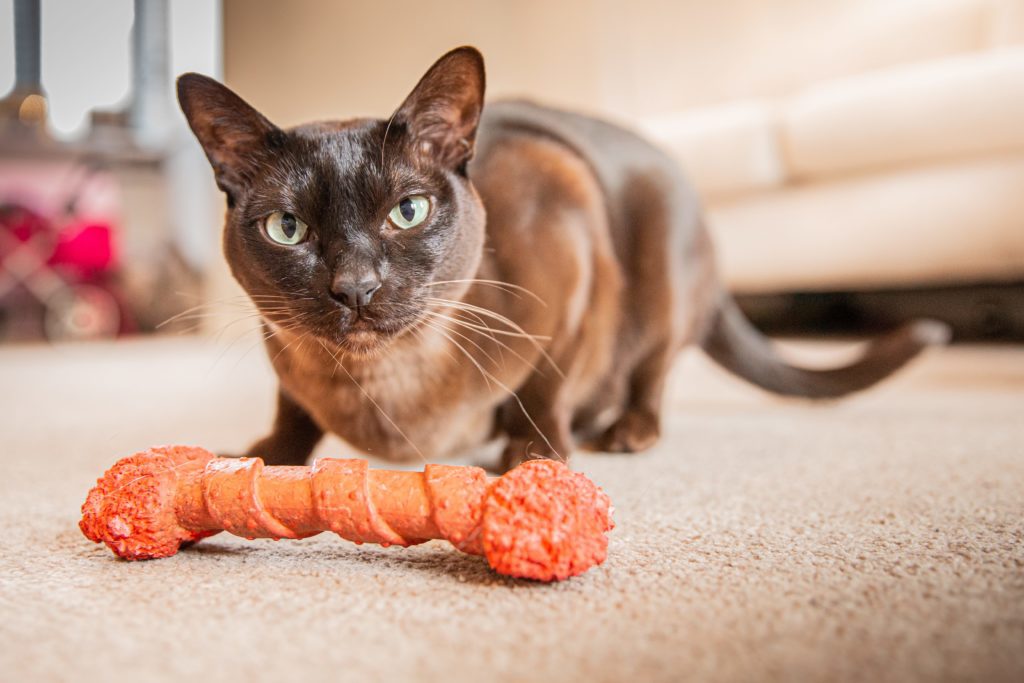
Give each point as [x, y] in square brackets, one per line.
[543, 521]
[131, 508]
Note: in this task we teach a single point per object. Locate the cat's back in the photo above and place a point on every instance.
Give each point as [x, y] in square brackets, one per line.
[588, 134]
[613, 151]
[632, 173]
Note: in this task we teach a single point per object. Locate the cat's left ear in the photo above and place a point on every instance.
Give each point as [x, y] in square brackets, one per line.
[443, 110]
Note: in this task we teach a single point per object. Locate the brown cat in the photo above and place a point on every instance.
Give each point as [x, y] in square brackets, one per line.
[446, 276]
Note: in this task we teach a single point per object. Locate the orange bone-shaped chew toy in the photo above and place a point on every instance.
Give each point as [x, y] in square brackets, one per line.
[539, 521]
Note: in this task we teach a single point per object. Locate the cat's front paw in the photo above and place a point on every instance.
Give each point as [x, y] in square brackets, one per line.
[634, 431]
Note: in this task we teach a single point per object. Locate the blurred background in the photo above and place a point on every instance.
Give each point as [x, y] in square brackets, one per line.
[861, 161]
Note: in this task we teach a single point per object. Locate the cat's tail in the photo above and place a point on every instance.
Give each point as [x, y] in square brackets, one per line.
[736, 345]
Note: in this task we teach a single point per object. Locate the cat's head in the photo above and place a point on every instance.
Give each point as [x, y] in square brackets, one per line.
[344, 230]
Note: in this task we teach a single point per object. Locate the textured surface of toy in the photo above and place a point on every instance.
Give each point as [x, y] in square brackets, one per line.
[539, 521]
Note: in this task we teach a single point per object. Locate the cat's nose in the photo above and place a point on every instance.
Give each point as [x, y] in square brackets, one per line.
[354, 294]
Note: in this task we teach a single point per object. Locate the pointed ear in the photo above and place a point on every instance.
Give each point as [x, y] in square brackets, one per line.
[444, 108]
[234, 136]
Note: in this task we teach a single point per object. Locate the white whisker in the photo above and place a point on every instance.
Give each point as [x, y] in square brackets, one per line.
[497, 284]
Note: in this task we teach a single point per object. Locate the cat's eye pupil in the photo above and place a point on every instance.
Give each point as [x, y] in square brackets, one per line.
[409, 212]
[407, 209]
[285, 228]
[288, 225]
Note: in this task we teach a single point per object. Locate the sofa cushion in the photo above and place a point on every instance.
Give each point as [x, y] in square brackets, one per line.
[952, 108]
[725, 150]
[956, 223]
[946, 109]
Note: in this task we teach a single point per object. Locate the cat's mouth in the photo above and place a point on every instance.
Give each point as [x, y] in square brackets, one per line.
[364, 336]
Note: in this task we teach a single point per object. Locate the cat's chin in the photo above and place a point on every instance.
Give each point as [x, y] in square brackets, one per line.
[363, 344]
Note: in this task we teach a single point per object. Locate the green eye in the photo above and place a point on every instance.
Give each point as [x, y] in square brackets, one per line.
[409, 212]
[285, 228]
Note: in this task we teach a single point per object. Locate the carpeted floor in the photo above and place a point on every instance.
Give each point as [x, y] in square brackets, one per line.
[880, 538]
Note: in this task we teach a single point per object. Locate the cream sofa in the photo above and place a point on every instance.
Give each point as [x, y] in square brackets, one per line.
[903, 175]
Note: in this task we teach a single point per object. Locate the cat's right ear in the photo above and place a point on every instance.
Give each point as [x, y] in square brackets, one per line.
[232, 133]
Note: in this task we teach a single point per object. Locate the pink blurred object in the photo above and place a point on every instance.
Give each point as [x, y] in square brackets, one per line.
[86, 248]
[58, 276]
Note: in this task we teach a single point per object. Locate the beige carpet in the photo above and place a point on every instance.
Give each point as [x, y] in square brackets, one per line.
[880, 539]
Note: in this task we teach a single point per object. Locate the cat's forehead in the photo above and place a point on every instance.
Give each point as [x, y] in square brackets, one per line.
[346, 141]
[368, 148]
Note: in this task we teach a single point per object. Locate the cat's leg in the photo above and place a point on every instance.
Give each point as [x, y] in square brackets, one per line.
[639, 426]
[537, 423]
[592, 419]
[670, 329]
[676, 293]
[292, 438]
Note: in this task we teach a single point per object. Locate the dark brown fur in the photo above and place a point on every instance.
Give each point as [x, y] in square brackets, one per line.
[573, 231]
